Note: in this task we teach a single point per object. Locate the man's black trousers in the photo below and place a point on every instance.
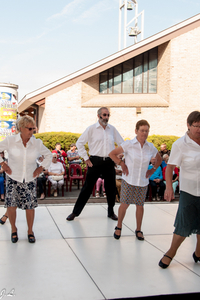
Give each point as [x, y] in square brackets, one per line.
[107, 170]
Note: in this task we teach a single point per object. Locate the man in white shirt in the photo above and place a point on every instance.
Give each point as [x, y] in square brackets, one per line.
[101, 138]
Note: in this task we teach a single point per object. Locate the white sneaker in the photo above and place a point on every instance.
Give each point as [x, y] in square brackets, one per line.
[97, 195]
[153, 199]
[55, 194]
[104, 194]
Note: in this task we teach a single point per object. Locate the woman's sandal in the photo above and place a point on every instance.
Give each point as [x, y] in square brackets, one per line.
[14, 237]
[116, 236]
[31, 238]
[162, 265]
[196, 259]
[140, 238]
[1, 221]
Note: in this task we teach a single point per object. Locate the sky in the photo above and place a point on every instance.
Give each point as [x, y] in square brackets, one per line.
[42, 41]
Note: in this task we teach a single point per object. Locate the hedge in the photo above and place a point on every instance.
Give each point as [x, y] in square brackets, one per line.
[67, 138]
[158, 140]
[64, 138]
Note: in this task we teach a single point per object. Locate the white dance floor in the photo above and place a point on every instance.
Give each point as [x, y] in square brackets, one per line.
[80, 260]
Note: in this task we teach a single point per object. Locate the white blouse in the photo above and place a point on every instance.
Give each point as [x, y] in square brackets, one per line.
[185, 153]
[56, 167]
[22, 160]
[137, 159]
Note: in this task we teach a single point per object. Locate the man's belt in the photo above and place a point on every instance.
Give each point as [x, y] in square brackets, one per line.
[100, 157]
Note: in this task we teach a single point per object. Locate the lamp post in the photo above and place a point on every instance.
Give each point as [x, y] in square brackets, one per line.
[134, 30]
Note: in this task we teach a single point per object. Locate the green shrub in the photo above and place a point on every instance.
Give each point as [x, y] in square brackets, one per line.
[67, 138]
[64, 138]
[158, 140]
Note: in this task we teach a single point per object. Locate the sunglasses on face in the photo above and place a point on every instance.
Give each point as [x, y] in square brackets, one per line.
[30, 128]
[104, 115]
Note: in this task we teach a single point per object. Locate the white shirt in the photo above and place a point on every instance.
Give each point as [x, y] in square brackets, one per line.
[185, 153]
[22, 160]
[56, 167]
[100, 141]
[137, 159]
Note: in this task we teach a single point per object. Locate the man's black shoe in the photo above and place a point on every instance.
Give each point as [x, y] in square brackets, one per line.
[71, 217]
[113, 217]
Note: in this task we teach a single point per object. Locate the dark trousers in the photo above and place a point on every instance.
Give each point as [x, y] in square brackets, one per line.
[100, 167]
[155, 186]
[40, 183]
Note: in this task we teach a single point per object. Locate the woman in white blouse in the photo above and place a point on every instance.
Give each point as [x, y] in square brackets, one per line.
[185, 153]
[23, 150]
[56, 172]
[135, 178]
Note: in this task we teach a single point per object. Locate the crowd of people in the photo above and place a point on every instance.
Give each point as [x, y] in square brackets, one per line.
[130, 170]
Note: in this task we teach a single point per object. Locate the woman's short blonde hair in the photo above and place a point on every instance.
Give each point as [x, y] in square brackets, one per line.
[22, 122]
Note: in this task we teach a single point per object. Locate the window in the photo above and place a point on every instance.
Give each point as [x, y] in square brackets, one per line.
[153, 60]
[138, 70]
[128, 77]
[117, 79]
[137, 75]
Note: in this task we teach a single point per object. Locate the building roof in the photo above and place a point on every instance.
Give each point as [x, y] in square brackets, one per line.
[38, 96]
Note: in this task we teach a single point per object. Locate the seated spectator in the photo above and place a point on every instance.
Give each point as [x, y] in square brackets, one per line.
[175, 179]
[2, 178]
[165, 160]
[56, 173]
[156, 182]
[41, 182]
[163, 150]
[99, 183]
[118, 177]
[72, 155]
[61, 154]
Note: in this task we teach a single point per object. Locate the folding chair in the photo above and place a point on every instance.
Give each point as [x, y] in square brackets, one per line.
[74, 175]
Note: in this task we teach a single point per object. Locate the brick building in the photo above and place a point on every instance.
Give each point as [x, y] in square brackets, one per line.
[157, 79]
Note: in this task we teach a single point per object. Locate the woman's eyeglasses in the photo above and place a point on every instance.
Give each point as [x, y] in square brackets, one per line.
[30, 128]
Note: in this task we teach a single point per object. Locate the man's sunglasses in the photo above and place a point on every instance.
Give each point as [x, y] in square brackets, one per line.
[104, 115]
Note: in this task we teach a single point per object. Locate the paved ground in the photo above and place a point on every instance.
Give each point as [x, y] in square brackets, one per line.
[81, 259]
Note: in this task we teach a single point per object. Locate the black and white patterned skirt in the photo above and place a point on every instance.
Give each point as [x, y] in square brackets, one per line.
[20, 194]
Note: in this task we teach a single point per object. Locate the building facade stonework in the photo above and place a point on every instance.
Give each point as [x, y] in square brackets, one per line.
[74, 107]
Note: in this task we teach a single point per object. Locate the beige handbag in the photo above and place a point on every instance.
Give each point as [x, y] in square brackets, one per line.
[57, 177]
